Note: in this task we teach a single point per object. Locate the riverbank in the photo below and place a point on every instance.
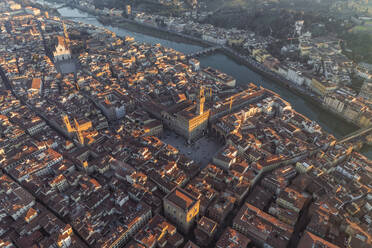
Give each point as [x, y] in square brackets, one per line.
[231, 65]
[117, 22]
[230, 52]
[291, 86]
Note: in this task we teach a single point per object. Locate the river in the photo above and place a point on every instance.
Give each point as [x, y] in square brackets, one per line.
[328, 121]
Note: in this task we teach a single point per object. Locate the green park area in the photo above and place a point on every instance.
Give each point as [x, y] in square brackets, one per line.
[359, 41]
[366, 27]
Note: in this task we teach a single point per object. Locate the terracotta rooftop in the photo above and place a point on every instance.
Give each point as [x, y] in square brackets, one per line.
[310, 240]
[181, 198]
[36, 82]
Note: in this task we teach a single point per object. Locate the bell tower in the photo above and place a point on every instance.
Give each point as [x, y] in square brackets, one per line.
[67, 38]
[200, 102]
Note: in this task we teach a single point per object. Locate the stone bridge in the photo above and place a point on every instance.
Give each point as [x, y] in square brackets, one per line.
[204, 51]
[359, 137]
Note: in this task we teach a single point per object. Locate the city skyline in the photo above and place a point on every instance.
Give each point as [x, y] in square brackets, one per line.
[113, 140]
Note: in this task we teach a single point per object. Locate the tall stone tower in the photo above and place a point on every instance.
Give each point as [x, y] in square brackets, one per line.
[128, 10]
[200, 102]
[67, 38]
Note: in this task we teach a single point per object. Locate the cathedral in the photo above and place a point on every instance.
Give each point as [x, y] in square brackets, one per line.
[62, 51]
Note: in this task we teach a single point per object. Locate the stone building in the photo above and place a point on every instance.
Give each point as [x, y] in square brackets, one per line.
[181, 208]
[61, 52]
[188, 119]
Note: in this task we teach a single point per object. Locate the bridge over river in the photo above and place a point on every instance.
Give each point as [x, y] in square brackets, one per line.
[79, 18]
[204, 51]
[357, 137]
